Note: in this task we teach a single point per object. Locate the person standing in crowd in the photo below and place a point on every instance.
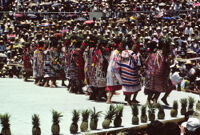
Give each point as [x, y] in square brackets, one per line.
[113, 76]
[47, 66]
[28, 71]
[157, 72]
[38, 63]
[76, 67]
[129, 65]
[100, 63]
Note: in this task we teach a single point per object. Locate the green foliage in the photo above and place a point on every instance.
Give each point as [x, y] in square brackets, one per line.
[183, 102]
[119, 110]
[76, 116]
[191, 101]
[175, 105]
[95, 115]
[85, 115]
[35, 120]
[143, 109]
[134, 108]
[5, 121]
[56, 117]
[110, 113]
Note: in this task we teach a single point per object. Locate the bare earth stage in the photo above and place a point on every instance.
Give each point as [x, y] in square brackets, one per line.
[22, 99]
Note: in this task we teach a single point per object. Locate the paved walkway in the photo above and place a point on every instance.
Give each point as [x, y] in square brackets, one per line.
[22, 99]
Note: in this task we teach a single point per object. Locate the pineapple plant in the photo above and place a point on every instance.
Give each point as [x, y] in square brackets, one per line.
[36, 125]
[183, 106]
[143, 114]
[191, 103]
[161, 112]
[108, 117]
[118, 115]
[198, 106]
[75, 119]
[94, 119]
[151, 113]
[135, 119]
[84, 124]
[55, 128]
[174, 110]
[5, 124]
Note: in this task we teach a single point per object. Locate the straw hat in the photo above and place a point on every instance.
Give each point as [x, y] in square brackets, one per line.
[188, 62]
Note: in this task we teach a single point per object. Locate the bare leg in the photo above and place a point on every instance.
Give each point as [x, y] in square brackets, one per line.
[63, 83]
[110, 94]
[128, 99]
[46, 84]
[38, 83]
[164, 98]
[155, 98]
[134, 98]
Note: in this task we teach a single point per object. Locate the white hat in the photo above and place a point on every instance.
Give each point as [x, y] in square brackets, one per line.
[192, 124]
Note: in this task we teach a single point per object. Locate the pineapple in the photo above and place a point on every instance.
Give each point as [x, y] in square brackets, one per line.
[198, 106]
[75, 119]
[36, 123]
[108, 117]
[84, 124]
[94, 119]
[143, 114]
[191, 103]
[118, 115]
[161, 113]
[135, 119]
[55, 128]
[5, 124]
[174, 110]
[151, 113]
[183, 106]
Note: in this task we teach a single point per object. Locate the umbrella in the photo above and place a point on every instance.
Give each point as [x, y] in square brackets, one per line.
[11, 36]
[157, 16]
[167, 18]
[88, 22]
[162, 4]
[121, 21]
[195, 4]
[80, 19]
[123, 1]
[17, 15]
[33, 4]
[32, 16]
[64, 30]
[45, 4]
[56, 4]
[44, 24]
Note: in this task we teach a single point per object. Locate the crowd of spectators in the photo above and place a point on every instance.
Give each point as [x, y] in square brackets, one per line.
[142, 21]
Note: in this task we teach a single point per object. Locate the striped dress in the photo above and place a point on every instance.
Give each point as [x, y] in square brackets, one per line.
[129, 66]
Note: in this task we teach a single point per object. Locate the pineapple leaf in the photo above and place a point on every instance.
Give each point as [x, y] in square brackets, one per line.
[183, 102]
[35, 120]
[143, 109]
[110, 113]
[56, 117]
[175, 105]
[191, 100]
[85, 115]
[5, 121]
[119, 110]
[95, 115]
[76, 116]
[134, 108]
